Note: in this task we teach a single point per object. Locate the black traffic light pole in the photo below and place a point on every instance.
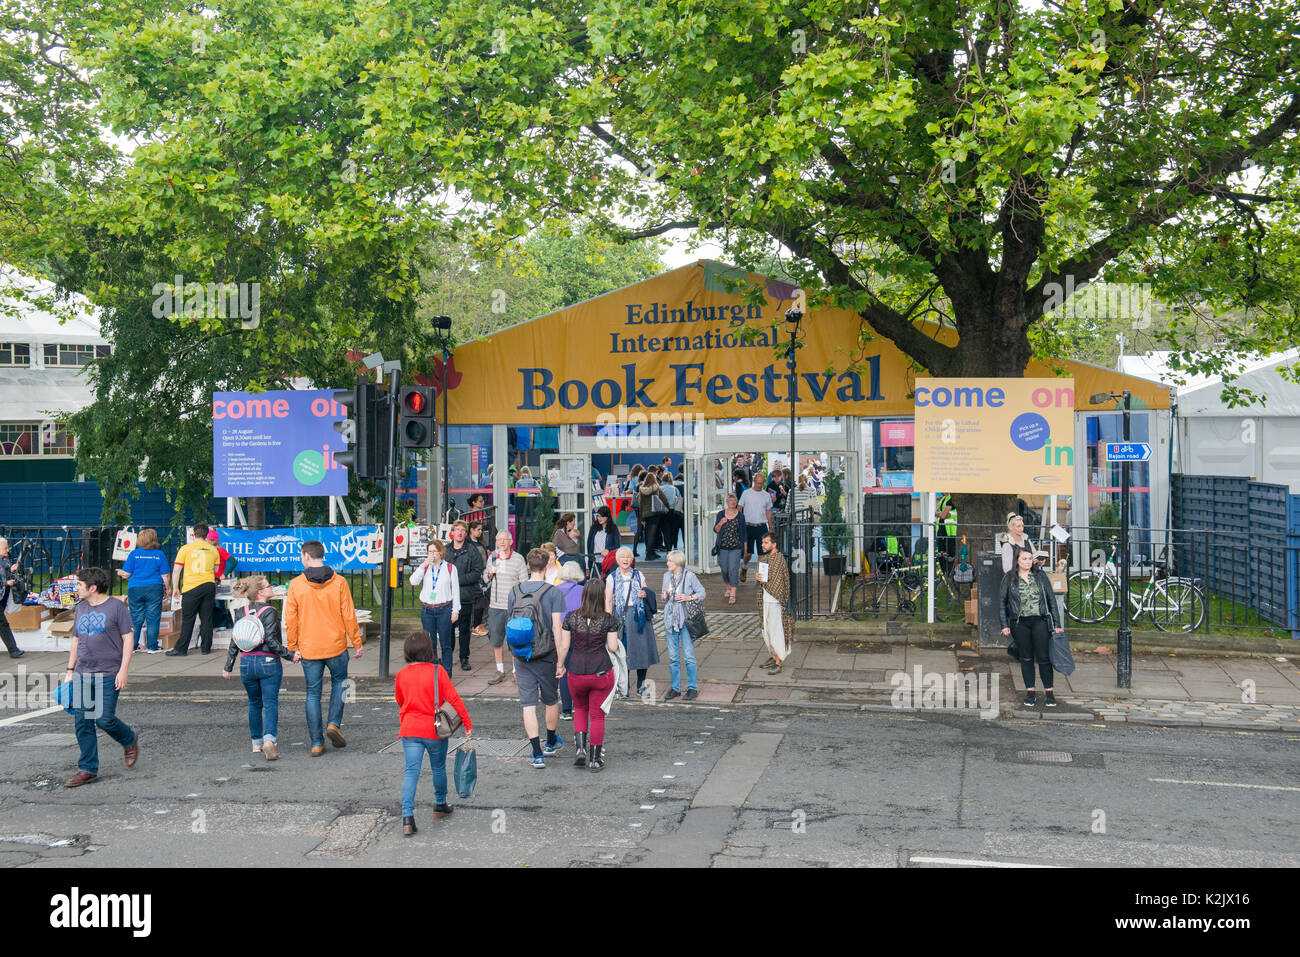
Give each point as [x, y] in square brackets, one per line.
[1124, 639]
[390, 495]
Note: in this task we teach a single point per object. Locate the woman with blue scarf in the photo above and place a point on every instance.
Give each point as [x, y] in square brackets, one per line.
[629, 600]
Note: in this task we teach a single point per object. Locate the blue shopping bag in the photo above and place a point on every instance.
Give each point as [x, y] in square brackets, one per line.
[62, 695]
[466, 772]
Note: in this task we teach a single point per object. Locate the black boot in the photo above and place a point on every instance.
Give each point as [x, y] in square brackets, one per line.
[408, 826]
[595, 760]
[580, 745]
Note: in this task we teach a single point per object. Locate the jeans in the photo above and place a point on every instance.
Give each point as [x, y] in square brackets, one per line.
[681, 646]
[464, 625]
[438, 625]
[199, 601]
[1033, 636]
[262, 675]
[649, 533]
[729, 562]
[415, 749]
[94, 705]
[145, 605]
[566, 698]
[314, 671]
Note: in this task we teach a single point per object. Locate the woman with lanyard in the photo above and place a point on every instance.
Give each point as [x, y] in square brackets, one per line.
[1016, 538]
[730, 526]
[603, 538]
[439, 598]
[1029, 612]
[628, 600]
[259, 667]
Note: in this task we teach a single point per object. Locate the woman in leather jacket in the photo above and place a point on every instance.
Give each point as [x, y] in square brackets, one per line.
[259, 668]
[1029, 611]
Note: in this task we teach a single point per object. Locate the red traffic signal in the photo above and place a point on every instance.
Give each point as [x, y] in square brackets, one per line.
[415, 401]
[418, 430]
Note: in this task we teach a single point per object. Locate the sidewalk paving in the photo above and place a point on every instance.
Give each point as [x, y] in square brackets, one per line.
[1167, 690]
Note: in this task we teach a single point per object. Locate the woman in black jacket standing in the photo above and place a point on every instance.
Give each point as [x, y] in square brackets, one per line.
[260, 668]
[1029, 611]
[602, 538]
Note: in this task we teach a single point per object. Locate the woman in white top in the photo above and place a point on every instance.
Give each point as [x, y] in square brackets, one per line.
[1015, 538]
[439, 598]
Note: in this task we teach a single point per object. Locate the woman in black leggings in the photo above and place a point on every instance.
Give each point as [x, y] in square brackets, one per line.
[1030, 612]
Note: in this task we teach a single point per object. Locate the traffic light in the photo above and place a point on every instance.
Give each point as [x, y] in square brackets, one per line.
[418, 428]
[364, 431]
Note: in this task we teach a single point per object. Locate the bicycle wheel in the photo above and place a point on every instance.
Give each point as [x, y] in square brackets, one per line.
[1177, 606]
[876, 597]
[890, 598]
[1090, 596]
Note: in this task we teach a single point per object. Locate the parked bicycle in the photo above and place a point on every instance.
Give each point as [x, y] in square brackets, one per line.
[1172, 603]
[897, 588]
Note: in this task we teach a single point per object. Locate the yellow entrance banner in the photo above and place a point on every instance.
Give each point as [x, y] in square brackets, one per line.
[671, 345]
[995, 435]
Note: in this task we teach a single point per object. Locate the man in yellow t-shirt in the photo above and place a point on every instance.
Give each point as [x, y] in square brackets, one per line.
[198, 560]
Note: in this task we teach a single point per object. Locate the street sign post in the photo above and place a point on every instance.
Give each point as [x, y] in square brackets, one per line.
[1128, 451]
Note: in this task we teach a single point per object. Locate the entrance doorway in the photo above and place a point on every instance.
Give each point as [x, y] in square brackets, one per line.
[712, 478]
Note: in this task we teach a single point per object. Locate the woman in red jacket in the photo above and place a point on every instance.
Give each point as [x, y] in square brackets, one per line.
[415, 688]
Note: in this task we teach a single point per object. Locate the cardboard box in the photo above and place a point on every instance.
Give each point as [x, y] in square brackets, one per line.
[63, 623]
[1058, 580]
[29, 617]
[972, 612]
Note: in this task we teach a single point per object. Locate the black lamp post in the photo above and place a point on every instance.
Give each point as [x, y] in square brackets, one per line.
[1124, 638]
[793, 316]
[443, 326]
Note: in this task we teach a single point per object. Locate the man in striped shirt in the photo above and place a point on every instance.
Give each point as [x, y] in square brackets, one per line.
[505, 569]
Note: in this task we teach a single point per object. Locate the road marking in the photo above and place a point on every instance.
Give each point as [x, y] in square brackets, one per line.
[30, 714]
[737, 772]
[970, 862]
[1224, 784]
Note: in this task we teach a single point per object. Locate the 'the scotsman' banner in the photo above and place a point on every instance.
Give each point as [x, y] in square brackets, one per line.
[347, 547]
[1012, 436]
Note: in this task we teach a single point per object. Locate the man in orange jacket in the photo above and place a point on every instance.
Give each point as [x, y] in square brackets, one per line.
[319, 621]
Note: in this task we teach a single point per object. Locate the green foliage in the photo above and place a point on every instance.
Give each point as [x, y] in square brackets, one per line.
[544, 529]
[485, 290]
[835, 533]
[915, 160]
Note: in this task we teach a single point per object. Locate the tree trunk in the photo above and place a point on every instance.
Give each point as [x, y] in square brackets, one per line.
[992, 346]
[256, 513]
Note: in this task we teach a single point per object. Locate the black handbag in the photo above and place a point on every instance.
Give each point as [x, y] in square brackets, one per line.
[697, 626]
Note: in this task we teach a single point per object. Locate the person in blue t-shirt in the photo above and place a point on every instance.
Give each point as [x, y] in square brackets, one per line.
[147, 573]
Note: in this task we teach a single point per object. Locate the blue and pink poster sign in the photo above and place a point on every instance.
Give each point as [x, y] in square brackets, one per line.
[277, 443]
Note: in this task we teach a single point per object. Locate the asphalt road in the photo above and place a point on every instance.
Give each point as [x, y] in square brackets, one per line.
[684, 785]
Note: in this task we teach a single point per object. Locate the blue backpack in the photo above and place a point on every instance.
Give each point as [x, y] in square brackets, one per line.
[528, 631]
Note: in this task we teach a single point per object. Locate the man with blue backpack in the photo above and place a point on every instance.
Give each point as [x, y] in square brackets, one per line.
[534, 635]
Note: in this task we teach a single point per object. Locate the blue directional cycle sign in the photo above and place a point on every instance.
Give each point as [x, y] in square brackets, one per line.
[1128, 451]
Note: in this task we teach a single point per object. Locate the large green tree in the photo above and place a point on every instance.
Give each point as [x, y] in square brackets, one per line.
[909, 159]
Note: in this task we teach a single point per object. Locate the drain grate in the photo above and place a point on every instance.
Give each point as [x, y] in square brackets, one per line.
[1045, 757]
[1076, 759]
[486, 747]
